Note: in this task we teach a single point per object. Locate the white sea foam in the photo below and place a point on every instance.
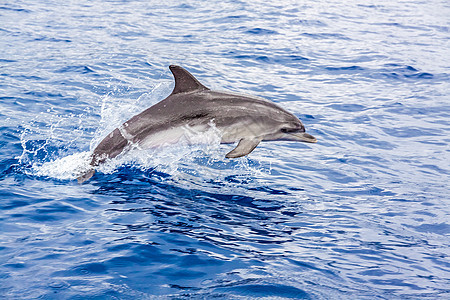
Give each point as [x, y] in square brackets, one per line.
[65, 168]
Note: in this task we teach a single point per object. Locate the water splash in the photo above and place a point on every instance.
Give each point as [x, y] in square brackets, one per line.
[65, 168]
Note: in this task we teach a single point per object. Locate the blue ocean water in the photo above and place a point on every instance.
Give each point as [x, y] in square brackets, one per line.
[362, 214]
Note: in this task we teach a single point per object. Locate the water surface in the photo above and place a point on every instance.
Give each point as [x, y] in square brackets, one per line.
[362, 214]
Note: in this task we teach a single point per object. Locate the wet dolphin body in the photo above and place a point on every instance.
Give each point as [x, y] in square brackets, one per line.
[240, 118]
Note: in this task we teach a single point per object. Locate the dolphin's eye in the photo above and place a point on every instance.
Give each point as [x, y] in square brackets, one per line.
[290, 130]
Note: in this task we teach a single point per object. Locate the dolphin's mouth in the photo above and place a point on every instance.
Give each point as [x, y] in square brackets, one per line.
[304, 137]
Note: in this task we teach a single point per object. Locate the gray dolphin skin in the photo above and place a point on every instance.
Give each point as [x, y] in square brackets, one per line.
[239, 118]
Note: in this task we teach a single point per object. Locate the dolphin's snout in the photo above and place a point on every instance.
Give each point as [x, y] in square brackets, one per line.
[309, 138]
[305, 137]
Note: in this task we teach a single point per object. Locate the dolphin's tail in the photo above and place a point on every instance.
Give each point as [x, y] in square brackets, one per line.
[86, 176]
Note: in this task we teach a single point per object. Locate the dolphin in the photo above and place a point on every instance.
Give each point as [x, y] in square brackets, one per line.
[247, 120]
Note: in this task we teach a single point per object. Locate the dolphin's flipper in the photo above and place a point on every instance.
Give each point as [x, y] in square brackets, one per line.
[244, 147]
[86, 176]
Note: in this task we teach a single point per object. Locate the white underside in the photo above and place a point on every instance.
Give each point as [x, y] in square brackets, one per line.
[200, 134]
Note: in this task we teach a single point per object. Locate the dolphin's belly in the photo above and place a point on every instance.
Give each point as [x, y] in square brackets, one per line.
[161, 138]
[185, 134]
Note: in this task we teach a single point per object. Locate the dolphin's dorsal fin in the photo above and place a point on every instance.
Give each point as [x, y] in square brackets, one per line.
[184, 81]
